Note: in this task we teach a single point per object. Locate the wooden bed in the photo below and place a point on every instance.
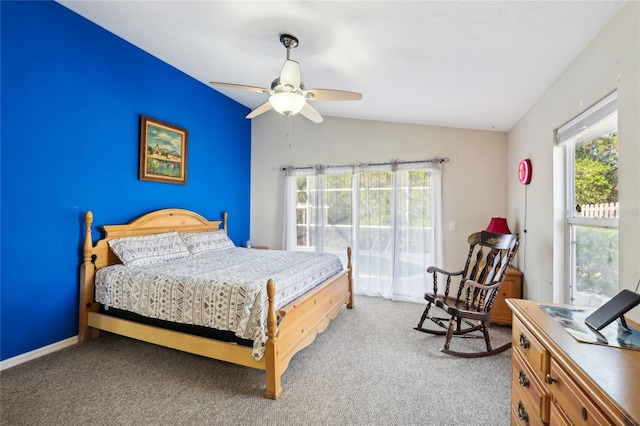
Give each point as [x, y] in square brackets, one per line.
[301, 320]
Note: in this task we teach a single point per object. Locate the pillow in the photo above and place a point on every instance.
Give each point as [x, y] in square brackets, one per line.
[148, 249]
[205, 242]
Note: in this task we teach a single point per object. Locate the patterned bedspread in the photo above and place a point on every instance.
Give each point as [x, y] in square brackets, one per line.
[225, 289]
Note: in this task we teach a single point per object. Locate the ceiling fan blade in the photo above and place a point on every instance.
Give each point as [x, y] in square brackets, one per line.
[240, 86]
[311, 113]
[290, 73]
[333, 95]
[259, 110]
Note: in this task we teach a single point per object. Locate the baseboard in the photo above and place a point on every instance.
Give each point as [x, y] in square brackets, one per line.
[37, 353]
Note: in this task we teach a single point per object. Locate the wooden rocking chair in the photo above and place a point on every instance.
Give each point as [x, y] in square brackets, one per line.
[484, 271]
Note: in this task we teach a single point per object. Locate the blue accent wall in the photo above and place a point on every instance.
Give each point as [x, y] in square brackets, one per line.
[71, 98]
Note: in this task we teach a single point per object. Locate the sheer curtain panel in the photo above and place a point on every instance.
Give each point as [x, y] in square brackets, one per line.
[389, 214]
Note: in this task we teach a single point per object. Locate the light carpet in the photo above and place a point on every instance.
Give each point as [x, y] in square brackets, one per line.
[368, 368]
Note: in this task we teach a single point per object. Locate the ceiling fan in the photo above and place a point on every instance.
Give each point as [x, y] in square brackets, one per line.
[287, 94]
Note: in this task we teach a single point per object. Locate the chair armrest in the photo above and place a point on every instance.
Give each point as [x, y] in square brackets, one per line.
[472, 283]
[432, 269]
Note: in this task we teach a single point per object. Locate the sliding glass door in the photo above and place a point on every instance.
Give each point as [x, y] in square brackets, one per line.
[388, 214]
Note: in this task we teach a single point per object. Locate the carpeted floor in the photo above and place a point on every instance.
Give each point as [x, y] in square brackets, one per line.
[368, 368]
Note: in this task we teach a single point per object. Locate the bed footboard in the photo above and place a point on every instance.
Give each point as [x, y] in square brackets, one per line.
[301, 321]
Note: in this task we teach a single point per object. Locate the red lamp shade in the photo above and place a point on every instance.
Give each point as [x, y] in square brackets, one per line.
[498, 225]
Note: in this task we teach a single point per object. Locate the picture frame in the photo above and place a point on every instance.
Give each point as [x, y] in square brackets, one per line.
[163, 151]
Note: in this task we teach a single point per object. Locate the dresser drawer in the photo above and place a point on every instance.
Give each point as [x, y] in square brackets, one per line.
[530, 386]
[572, 401]
[532, 351]
[556, 416]
[523, 410]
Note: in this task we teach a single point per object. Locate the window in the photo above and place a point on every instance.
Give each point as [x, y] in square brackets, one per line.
[327, 228]
[388, 214]
[591, 143]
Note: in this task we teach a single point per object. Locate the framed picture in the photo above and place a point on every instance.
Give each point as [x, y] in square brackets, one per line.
[163, 152]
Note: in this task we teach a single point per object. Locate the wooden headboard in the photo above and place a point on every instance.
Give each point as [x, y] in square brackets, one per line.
[100, 255]
[165, 220]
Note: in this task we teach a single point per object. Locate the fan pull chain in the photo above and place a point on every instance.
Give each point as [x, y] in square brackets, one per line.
[289, 130]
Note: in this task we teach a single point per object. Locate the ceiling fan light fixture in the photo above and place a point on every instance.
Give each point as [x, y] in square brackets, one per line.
[288, 95]
[287, 103]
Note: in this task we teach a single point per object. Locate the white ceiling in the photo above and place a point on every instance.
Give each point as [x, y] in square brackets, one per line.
[471, 64]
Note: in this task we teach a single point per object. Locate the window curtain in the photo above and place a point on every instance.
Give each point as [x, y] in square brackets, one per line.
[389, 214]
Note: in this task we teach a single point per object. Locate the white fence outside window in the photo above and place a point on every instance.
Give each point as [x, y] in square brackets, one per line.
[607, 210]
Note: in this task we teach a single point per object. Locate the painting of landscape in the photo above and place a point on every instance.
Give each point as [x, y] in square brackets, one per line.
[163, 149]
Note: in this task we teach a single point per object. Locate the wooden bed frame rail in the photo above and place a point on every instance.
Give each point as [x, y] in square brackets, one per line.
[301, 320]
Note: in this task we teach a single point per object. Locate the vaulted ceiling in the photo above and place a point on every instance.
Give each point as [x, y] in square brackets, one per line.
[472, 64]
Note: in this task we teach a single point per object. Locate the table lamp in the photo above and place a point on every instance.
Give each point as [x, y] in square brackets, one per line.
[498, 225]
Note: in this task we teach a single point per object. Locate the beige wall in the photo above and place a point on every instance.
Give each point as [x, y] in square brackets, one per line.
[610, 62]
[474, 180]
[481, 166]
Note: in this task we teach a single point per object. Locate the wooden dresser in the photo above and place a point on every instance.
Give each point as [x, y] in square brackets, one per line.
[557, 380]
[511, 288]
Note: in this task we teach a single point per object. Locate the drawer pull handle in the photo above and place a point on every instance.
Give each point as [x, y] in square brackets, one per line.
[584, 413]
[524, 342]
[522, 413]
[550, 380]
[523, 379]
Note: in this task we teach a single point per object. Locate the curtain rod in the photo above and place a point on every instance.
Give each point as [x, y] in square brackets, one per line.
[433, 160]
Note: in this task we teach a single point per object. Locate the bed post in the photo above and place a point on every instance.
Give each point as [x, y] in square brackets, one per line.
[350, 302]
[87, 274]
[225, 215]
[272, 367]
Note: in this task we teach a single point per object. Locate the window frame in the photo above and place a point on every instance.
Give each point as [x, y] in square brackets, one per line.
[567, 136]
